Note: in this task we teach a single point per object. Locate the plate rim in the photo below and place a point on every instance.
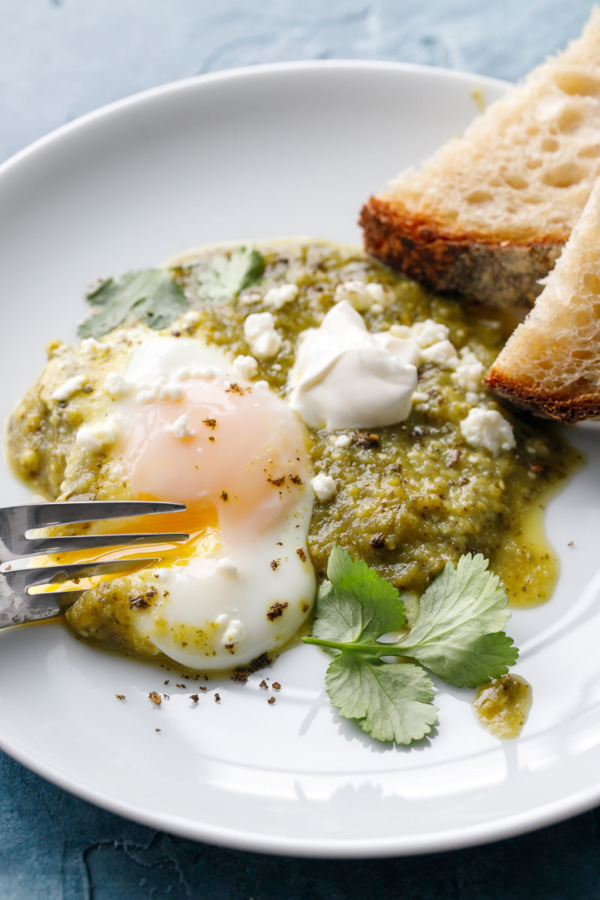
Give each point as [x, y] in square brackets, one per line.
[510, 826]
[235, 73]
[473, 835]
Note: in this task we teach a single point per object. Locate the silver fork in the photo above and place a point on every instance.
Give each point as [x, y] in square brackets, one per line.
[17, 605]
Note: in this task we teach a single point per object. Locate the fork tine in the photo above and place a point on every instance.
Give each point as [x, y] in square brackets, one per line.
[20, 580]
[15, 521]
[38, 515]
[38, 546]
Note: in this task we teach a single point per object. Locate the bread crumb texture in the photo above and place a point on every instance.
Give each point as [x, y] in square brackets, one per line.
[487, 215]
[551, 364]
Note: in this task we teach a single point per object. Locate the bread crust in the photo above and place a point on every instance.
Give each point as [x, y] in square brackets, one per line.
[496, 272]
[583, 402]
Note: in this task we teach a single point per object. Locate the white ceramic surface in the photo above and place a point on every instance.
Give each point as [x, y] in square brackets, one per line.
[271, 151]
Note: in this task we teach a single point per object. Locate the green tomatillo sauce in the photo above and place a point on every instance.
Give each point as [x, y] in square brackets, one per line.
[411, 496]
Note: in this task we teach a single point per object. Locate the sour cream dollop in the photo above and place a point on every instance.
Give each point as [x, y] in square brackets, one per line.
[347, 377]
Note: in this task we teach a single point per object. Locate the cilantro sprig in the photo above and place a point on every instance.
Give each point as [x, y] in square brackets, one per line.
[227, 275]
[457, 635]
[155, 299]
[150, 294]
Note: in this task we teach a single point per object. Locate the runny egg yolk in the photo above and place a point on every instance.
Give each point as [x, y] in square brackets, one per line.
[240, 452]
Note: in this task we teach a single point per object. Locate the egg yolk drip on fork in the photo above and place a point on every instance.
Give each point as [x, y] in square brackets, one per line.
[236, 455]
[199, 521]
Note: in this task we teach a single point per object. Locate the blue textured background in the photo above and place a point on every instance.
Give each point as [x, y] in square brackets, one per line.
[62, 58]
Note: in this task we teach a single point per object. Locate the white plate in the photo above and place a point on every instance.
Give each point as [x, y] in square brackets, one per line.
[264, 152]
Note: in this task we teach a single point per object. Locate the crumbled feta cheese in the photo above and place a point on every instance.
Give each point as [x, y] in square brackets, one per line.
[195, 370]
[432, 338]
[443, 353]
[279, 297]
[246, 366]
[233, 630]
[191, 317]
[90, 347]
[98, 435]
[250, 296]
[70, 387]
[343, 441]
[487, 428]
[128, 336]
[420, 397]
[324, 487]
[468, 373]
[159, 388]
[180, 428]
[429, 332]
[376, 291]
[170, 391]
[258, 323]
[266, 345]
[401, 331]
[226, 566]
[116, 386]
[147, 394]
[259, 331]
[359, 294]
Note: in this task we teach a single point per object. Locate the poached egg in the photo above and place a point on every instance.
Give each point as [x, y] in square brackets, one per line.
[182, 423]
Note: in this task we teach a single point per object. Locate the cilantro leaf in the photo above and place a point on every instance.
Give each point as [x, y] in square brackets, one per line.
[391, 702]
[226, 276]
[150, 294]
[355, 603]
[457, 634]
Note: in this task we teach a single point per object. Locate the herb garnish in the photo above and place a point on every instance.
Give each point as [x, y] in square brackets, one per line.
[156, 300]
[457, 635]
[226, 276]
[150, 294]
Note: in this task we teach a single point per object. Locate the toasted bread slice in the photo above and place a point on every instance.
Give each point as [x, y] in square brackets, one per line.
[551, 363]
[487, 215]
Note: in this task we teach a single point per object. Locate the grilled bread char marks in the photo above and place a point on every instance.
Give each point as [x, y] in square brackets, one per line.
[488, 214]
[551, 363]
